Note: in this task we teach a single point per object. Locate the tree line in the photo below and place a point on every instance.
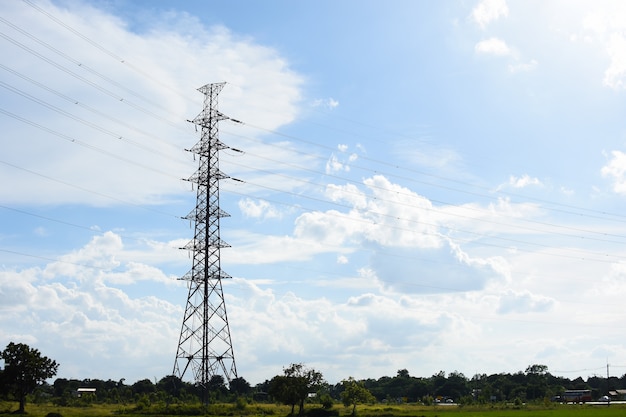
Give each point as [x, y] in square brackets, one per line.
[26, 372]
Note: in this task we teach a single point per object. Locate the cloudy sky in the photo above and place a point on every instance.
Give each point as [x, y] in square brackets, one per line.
[422, 185]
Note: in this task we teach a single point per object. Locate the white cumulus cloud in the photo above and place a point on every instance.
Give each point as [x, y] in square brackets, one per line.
[607, 26]
[258, 209]
[523, 181]
[489, 10]
[615, 170]
[328, 103]
[493, 46]
[615, 74]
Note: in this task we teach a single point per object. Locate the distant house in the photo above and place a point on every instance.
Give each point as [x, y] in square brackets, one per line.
[576, 396]
[85, 391]
[618, 394]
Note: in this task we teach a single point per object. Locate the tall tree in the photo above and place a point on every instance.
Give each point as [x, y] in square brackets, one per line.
[403, 373]
[354, 393]
[216, 387]
[239, 386]
[295, 385]
[282, 389]
[24, 370]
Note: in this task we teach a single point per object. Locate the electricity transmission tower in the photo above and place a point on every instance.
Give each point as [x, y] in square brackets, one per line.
[204, 347]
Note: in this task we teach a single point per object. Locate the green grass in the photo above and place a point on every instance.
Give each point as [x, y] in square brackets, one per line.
[270, 410]
[500, 410]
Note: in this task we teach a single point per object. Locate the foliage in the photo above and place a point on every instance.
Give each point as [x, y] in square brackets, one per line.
[24, 370]
[239, 386]
[326, 401]
[402, 410]
[294, 386]
[396, 396]
[355, 393]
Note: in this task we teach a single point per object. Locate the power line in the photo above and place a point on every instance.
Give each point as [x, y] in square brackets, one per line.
[438, 235]
[82, 121]
[79, 63]
[277, 190]
[80, 143]
[108, 52]
[116, 135]
[87, 190]
[124, 61]
[90, 83]
[147, 75]
[86, 107]
[100, 47]
[439, 211]
[463, 183]
[442, 236]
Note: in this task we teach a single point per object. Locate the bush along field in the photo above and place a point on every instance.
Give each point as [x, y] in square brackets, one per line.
[252, 409]
[302, 391]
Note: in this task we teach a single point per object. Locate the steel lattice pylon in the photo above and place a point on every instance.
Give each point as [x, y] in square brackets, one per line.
[205, 348]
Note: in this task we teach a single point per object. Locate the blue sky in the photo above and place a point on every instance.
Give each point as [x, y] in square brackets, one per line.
[424, 186]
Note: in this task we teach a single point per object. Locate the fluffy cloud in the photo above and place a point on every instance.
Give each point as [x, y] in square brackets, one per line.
[489, 10]
[386, 213]
[80, 140]
[615, 170]
[524, 302]
[340, 163]
[328, 103]
[607, 25]
[76, 314]
[258, 209]
[493, 46]
[521, 182]
[615, 75]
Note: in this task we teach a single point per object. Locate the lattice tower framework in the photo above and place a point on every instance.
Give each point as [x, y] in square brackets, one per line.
[205, 347]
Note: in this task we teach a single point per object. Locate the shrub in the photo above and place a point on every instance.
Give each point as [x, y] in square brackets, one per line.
[240, 403]
[327, 401]
[321, 412]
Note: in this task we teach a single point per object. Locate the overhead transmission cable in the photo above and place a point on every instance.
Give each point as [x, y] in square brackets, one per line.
[98, 87]
[415, 171]
[81, 143]
[147, 75]
[80, 64]
[110, 154]
[78, 142]
[86, 107]
[83, 121]
[250, 125]
[482, 211]
[88, 190]
[101, 48]
[439, 235]
[428, 209]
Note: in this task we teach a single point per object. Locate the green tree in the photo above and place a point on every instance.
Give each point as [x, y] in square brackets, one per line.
[24, 370]
[403, 373]
[282, 389]
[171, 385]
[217, 387]
[455, 386]
[536, 381]
[239, 386]
[354, 393]
[294, 385]
[144, 386]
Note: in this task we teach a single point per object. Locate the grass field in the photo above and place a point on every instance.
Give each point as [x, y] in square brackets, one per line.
[264, 410]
